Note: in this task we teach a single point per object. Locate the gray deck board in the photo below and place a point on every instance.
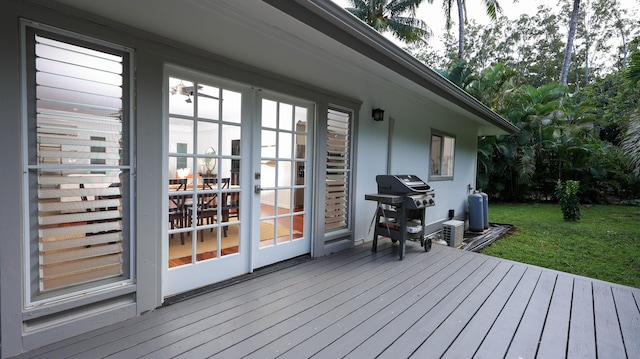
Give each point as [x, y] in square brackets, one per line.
[472, 335]
[362, 284]
[223, 328]
[525, 341]
[349, 309]
[629, 318]
[553, 343]
[168, 315]
[444, 303]
[401, 320]
[498, 339]
[435, 314]
[609, 338]
[582, 341]
[380, 313]
[129, 336]
[457, 320]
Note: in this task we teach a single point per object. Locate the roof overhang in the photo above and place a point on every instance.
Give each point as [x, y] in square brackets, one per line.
[328, 18]
[313, 42]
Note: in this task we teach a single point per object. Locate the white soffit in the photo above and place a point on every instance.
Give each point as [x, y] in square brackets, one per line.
[240, 29]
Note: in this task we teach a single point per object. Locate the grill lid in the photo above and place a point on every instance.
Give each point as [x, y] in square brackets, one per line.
[401, 184]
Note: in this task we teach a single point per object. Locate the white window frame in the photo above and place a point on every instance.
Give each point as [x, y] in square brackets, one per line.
[442, 169]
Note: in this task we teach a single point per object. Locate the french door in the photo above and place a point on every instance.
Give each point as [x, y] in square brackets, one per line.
[282, 180]
[237, 189]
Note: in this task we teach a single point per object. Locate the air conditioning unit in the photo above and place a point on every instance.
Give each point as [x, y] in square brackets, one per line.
[453, 232]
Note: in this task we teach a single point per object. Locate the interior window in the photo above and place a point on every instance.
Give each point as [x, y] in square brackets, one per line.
[442, 156]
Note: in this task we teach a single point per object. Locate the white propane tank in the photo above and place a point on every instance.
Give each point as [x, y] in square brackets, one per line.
[476, 209]
[485, 209]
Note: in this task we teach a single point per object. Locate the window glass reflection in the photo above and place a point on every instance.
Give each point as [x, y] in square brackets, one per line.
[231, 106]
[208, 102]
[181, 97]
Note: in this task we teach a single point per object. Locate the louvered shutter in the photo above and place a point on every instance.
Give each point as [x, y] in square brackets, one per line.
[77, 168]
[338, 170]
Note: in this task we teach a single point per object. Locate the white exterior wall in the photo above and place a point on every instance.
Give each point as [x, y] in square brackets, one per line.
[411, 124]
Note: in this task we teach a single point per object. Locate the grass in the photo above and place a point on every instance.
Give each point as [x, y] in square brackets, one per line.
[604, 244]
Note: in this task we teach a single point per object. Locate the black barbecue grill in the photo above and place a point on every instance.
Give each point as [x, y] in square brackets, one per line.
[400, 216]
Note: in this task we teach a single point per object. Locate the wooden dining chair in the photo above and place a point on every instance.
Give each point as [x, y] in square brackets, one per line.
[178, 212]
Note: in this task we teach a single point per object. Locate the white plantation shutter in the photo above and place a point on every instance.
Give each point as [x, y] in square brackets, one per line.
[78, 166]
[338, 170]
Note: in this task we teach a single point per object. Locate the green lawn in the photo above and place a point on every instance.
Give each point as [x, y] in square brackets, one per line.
[604, 244]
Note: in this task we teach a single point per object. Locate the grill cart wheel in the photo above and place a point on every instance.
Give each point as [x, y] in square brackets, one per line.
[427, 244]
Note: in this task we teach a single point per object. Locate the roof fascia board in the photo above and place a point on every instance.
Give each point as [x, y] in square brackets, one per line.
[328, 18]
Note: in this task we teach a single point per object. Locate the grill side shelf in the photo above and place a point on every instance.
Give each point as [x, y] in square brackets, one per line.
[385, 198]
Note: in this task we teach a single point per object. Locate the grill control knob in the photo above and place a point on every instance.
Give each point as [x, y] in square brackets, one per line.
[425, 202]
[431, 202]
[418, 203]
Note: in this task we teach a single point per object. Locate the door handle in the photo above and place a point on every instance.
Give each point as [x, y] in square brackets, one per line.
[257, 189]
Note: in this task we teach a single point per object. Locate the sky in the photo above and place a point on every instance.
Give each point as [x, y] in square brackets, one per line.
[433, 14]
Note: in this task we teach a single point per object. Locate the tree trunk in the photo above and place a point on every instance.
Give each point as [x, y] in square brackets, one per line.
[460, 28]
[572, 33]
[620, 26]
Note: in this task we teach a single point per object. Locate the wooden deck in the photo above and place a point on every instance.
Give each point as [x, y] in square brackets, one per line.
[356, 304]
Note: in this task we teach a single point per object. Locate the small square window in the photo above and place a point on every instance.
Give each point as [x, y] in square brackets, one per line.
[442, 155]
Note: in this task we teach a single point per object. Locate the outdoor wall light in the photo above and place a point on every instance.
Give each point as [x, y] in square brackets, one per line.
[378, 114]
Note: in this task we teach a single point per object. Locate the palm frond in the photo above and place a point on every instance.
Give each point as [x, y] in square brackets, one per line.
[633, 71]
[493, 8]
[631, 143]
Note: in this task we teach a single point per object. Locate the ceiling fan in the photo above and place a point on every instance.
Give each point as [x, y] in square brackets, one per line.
[181, 89]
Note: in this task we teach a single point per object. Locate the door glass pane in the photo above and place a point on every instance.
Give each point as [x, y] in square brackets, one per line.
[268, 144]
[283, 233]
[267, 203]
[283, 167]
[181, 99]
[203, 217]
[285, 172]
[208, 137]
[230, 133]
[269, 114]
[285, 145]
[298, 224]
[180, 131]
[284, 201]
[231, 242]
[231, 106]
[267, 232]
[208, 102]
[286, 117]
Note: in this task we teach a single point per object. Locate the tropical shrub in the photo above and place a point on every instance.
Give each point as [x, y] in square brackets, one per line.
[567, 193]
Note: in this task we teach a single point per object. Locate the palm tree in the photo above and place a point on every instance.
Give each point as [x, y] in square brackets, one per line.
[491, 6]
[572, 33]
[390, 15]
